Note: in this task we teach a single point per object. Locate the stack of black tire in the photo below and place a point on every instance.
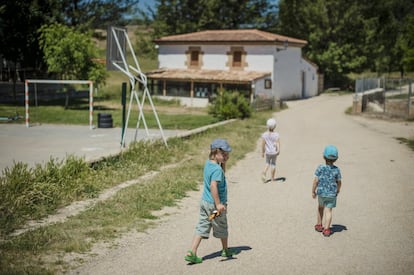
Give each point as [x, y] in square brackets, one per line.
[105, 121]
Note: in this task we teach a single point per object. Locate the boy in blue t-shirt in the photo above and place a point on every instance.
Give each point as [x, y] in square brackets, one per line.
[326, 186]
[214, 199]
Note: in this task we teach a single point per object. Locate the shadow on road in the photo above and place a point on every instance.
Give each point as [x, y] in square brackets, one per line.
[336, 228]
[238, 249]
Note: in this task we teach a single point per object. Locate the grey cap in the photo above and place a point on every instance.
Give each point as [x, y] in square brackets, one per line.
[220, 143]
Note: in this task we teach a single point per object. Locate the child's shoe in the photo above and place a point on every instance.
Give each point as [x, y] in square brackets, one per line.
[192, 258]
[228, 252]
[319, 227]
[327, 232]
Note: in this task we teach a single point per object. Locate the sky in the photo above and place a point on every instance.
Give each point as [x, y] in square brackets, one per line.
[144, 3]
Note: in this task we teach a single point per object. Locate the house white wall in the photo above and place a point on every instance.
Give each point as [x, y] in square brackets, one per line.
[288, 68]
[311, 77]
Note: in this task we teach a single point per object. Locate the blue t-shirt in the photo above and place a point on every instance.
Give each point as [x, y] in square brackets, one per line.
[327, 175]
[213, 171]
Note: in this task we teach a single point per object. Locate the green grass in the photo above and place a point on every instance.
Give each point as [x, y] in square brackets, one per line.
[42, 251]
[408, 142]
[78, 114]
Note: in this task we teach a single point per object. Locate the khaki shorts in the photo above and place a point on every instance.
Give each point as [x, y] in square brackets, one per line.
[204, 226]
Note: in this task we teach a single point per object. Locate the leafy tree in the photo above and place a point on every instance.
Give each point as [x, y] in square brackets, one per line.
[184, 16]
[329, 27]
[70, 53]
[388, 32]
[97, 14]
[408, 45]
[19, 21]
[350, 36]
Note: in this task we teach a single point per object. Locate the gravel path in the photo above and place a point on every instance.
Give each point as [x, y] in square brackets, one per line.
[272, 224]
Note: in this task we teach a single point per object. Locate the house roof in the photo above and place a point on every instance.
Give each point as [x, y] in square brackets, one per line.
[206, 75]
[244, 36]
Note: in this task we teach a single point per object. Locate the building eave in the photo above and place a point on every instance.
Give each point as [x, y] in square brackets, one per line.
[198, 75]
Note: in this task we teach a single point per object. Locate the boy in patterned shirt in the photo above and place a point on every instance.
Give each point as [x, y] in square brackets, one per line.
[326, 186]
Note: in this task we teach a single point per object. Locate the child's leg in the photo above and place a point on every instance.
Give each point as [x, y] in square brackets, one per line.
[195, 244]
[273, 172]
[265, 169]
[320, 214]
[327, 216]
[264, 173]
[224, 243]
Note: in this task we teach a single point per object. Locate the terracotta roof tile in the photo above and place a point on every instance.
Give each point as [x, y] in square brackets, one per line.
[206, 75]
[231, 36]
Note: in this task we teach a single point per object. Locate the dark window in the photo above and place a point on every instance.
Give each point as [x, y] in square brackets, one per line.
[237, 58]
[194, 58]
[268, 84]
[175, 88]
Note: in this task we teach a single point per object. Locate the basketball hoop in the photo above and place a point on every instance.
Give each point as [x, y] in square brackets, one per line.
[117, 42]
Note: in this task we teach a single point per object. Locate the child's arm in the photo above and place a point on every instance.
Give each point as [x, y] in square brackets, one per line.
[315, 184]
[263, 147]
[214, 193]
[338, 184]
[278, 146]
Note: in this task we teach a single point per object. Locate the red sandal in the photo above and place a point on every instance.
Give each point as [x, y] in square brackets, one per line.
[327, 232]
[319, 227]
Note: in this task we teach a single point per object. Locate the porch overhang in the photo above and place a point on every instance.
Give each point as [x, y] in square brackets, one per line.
[196, 75]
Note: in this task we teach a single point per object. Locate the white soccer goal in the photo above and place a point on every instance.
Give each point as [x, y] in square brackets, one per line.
[45, 81]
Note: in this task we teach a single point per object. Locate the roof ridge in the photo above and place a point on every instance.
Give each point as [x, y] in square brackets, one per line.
[241, 35]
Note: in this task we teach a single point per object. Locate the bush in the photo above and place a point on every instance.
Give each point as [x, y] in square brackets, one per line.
[230, 105]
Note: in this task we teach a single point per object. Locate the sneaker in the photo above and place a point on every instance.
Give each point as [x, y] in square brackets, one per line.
[327, 232]
[319, 227]
[263, 177]
[192, 258]
[228, 252]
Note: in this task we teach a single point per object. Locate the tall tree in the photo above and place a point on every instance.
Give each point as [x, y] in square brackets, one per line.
[330, 28]
[388, 32]
[408, 45]
[97, 14]
[19, 21]
[183, 16]
[349, 35]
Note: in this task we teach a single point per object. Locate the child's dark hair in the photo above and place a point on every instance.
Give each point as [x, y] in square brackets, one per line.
[213, 153]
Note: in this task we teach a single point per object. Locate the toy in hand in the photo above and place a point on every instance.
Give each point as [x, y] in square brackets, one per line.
[213, 215]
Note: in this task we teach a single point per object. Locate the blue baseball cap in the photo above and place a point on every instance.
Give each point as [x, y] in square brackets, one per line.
[330, 152]
[220, 143]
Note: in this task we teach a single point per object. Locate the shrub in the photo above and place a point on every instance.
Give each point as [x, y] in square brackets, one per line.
[229, 105]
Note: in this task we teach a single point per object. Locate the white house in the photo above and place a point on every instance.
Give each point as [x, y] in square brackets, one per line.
[194, 66]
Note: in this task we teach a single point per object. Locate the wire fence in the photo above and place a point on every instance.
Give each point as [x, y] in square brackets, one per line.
[389, 96]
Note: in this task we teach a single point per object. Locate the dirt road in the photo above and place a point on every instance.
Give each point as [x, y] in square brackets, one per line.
[272, 224]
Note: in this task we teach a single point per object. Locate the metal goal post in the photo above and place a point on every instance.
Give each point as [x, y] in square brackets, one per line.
[45, 81]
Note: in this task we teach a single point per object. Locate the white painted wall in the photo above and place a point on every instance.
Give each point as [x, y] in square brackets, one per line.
[286, 66]
[311, 77]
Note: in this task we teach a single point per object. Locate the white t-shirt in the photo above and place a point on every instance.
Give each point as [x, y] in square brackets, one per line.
[270, 139]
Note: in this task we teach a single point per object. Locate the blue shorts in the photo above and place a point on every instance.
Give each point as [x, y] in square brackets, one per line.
[328, 202]
[204, 226]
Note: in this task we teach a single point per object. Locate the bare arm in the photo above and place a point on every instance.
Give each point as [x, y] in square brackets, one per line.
[314, 185]
[278, 146]
[214, 193]
[263, 147]
[339, 184]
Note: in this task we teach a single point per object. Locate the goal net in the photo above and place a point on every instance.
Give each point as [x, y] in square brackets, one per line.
[60, 89]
